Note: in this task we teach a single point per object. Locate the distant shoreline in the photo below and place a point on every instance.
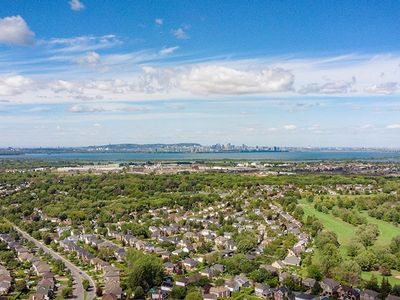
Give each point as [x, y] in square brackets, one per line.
[197, 156]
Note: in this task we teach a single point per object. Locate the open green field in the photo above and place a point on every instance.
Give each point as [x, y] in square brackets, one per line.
[345, 233]
[393, 280]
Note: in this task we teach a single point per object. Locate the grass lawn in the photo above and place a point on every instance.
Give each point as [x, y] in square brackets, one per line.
[345, 233]
[393, 280]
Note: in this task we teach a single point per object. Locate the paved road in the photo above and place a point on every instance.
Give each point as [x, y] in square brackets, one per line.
[76, 272]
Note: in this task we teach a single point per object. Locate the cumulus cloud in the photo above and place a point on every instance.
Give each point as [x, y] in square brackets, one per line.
[157, 80]
[159, 21]
[65, 86]
[289, 127]
[223, 80]
[82, 43]
[331, 87]
[14, 30]
[180, 33]
[393, 126]
[104, 108]
[386, 88]
[167, 51]
[91, 58]
[76, 5]
[14, 84]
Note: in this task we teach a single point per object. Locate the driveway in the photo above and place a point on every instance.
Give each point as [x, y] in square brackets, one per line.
[77, 273]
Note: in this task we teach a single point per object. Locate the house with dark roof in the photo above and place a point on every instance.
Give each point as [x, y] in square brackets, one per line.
[302, 296]
[328, 286]
[369, 295]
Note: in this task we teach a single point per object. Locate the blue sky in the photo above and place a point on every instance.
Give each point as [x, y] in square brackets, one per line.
[287, 73]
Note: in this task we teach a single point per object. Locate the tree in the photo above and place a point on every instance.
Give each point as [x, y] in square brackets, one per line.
[395, 245]
[349, 272]
[138, 293]
[330, 258]
[238, 263]
[86, 284]
[146, 271]
[260, 275]
[367, 234]
[372, 284]
[354, 249]
[366, 259]
[178, 292]
[316, 290]
[195, 295]
[386, 288]
[59, 266]
[47, 240]
[99, 291]
[246, 241]
[396, 290]
[314, 272]
[66, 292]
[20, 286]
[326, 237]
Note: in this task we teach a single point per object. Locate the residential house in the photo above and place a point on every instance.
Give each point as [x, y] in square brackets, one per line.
[302, 296]
[181, 281]
[292, 261]
[189, 263]
[263, 290]
[218, 269]
[369, 295]
[232, 285]
[207, 272]
[210, 297]
[309, 283]
[109, 297]
[169, 267]
[281, 293]
[220, 291]
[345, 292]
[242, 281]
[328, 286]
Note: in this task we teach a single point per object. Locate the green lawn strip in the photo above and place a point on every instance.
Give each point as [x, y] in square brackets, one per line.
[393, 280]
[344, 231]
[387, 231]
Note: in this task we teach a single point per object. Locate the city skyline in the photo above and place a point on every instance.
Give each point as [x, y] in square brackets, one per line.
[290, 73]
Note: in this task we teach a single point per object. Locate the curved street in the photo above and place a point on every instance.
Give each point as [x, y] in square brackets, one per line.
[77, 273]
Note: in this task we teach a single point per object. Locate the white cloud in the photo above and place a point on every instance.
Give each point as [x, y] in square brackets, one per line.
[393, 126]
[180, 33]
[14, 84]
[331, 87]
[14, 30]
[91, 59]
[367, 126]
[223, 80]
[289, 127]
[105, 108]
[65, 86]
[386, 88]
[143, 75]
[38, 109]
[159, 21]
[167, 51]
[76, 5]
[82, 43]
